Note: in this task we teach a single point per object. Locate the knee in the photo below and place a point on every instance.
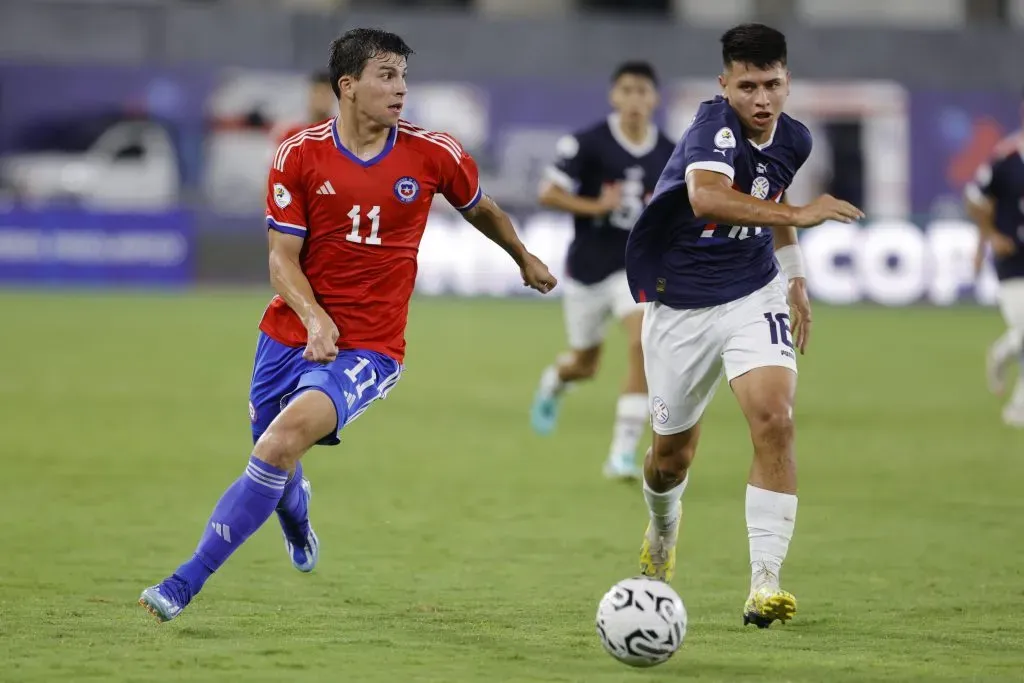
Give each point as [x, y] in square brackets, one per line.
[773, 426]
[283, 444]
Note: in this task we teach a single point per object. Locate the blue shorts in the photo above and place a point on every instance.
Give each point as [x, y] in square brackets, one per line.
[353, 380]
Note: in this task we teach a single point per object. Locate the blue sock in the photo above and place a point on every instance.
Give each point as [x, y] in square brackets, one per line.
[243, 509]
[292, 509]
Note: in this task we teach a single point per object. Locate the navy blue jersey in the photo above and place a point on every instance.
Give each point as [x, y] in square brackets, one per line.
[1002, 181]
[586, 161]
[687, 262]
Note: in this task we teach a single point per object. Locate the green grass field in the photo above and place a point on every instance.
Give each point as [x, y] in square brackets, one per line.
[459, 547]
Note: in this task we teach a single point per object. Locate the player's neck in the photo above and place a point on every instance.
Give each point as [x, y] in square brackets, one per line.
[759, 138]
[635, 132]
[360, 136]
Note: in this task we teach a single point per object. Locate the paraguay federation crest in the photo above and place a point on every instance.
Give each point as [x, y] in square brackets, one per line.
[659, 410]
[760, 187]
[407, 189]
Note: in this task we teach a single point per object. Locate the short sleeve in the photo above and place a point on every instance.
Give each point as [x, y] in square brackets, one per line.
[567, 169]
[803, 144]
[460, 178]
[711, 145]
[286, 194]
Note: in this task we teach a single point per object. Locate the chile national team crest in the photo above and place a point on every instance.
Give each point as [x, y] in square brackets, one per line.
[406, 189]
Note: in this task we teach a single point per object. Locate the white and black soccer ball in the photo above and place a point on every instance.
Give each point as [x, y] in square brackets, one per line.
[641, 621]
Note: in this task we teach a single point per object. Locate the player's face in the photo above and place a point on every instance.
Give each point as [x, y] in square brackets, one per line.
[757, 95]
[322, 102]
[634, 98]
[379, 93]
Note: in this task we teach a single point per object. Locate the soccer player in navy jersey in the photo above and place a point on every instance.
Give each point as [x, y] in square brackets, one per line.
[995, 202]
[603, 175]
[705, 256]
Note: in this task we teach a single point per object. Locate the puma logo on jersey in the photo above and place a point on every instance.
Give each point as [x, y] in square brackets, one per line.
[326, 188]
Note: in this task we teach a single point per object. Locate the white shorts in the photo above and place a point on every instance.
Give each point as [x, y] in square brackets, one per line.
[686, 351]
[1011, 302]
[589, 307]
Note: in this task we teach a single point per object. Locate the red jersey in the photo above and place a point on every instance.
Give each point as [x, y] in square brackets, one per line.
[362, 222]
[282, 132]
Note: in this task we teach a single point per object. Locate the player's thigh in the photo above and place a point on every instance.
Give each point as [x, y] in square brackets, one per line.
[623, 308]
[352, 381]
[759, 354]
[276, 372]
[300, 425]
[757, 332]
[682, 356]
[586, 311]
[1011, 303]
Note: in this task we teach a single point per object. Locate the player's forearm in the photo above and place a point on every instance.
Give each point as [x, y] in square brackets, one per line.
[983, 219]
[784, 236]
[720, 204]
[554, 197]
[982, 215]
[495, 225]
[288, 280]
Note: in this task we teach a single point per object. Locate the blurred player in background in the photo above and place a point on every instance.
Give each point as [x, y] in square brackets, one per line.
[705, 256]
[347, 203]
[321, 104]
[995, 202]
[604, 175]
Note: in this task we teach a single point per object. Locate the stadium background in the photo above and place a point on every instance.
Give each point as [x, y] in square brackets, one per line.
[457, 545]
[901, 119]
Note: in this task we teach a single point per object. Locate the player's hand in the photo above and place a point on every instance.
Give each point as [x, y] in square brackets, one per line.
[610, 197]
[1002, 245]
[827, 208]
[321, 335]
[800, 313]
[536, 275]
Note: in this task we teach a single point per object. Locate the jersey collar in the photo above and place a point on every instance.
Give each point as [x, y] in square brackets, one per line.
[771, 138]
[392, 137]
[641, 150]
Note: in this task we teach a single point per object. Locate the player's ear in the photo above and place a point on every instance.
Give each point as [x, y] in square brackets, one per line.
[345, 86]
[722, 81]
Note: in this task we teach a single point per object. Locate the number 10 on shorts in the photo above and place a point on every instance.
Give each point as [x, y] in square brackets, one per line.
[778, 327]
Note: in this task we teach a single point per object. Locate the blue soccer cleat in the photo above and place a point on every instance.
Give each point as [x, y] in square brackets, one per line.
[166, 600]
[544, 413]
[622, 466]
[299, 539]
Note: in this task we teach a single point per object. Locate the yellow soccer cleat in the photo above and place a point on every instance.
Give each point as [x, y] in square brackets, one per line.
[658, 552]
[768, 603]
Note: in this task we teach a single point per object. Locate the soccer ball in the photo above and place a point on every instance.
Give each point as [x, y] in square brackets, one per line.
[641, 621]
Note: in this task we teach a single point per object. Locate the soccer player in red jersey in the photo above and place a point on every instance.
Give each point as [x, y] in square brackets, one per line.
[320, 106]
[346, 207]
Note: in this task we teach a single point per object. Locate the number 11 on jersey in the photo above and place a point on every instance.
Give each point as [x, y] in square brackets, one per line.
[356, 214]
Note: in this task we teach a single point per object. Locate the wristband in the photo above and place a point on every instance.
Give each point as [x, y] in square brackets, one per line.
[791, 261]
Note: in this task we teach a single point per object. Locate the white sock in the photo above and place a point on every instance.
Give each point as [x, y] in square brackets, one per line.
[631, 416]
[664, 507]
[771, 517]
[1017, 398]
[550, 383]
[1007, 346]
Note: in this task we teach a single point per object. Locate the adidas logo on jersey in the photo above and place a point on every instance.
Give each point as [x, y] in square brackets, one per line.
[326, 188]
